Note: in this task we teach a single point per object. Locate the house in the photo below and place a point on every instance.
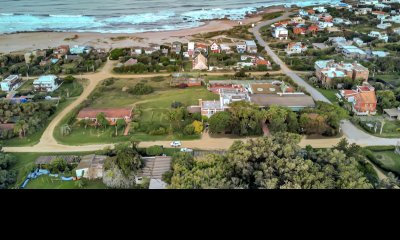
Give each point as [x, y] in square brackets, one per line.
[130, 62]
[320, 9]
[176, 47]
[61, 51]
[299, 30]
[298, 20]
[326, 70]
[333, 29]
[362, 11]
[365, 100]
[251, 46]
[11, 83]
[294, 101]
[395, 19]
[261, 61]
[241, 47]
[326, 17]
[314, 18]
[323, 25]
[378, 54]
[380, 14]
[201, 48]
[313, 29]
[73, 57]
[111, 114]
[33, 55]
[280, 33]
[338, 21]
[393, 113]
[384, 26]
[397, 31]
[46, 83]
[303, 13]
[209, 108]
[359, 42]
[149, 50]
[381, 36]
[178, 79]
[91, 166]
[225, 48]
[191, 47]
[200, 62]
[155, 167]
[311, 12]
[350, 51]
[336, 41]
[295, 48]
[319, 46]
[76, 50]
[215, 48]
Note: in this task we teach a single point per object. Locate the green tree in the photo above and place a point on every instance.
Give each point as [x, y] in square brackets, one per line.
[154, 150]
[101, 120]
[219, 122]
[120, 124]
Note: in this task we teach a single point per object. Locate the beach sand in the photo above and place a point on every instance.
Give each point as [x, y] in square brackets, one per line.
[22, 42]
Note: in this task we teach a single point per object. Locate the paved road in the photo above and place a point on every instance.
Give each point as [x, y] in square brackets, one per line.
[292, 74]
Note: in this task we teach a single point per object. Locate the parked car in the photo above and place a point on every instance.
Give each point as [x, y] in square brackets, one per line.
[186, 150]
[176, 144]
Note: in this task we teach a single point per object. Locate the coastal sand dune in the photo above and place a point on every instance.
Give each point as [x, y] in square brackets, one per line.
[21, 42]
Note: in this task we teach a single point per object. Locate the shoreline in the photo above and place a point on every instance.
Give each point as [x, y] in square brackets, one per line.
[27, 41]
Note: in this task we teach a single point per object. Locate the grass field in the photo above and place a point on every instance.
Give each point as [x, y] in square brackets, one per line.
[74, 89]
[329, 94]
[154, 109]
[393, 79]
[46, 182]
[390, 159]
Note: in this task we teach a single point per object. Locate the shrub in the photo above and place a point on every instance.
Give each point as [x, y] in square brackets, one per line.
[154, 151]
[141, 89]
[176, 105]
[159, 131]
[69, 79]
[108, 82]
[116, 53]
[189, 129]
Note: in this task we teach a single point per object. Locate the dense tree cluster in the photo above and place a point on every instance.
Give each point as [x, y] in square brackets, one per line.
[274, 163]
[7, 176]
[28, 117]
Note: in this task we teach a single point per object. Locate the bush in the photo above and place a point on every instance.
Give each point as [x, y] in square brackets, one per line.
[154, 151]
[141, 89]
[176, 105]
[189, 129]
[116, 53]
[159, 131]
[69, 79]
[108, 82]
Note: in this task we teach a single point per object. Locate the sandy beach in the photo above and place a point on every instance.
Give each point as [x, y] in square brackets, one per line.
[21, 42]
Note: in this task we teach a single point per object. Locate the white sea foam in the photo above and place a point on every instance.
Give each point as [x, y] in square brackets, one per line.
[173, 19]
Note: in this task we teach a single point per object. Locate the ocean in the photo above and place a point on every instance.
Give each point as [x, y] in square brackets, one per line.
[124, 16]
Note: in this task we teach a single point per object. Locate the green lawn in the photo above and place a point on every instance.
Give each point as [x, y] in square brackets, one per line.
[390, 128]
[390, 159]
[393, 79]
[74, 89]
[329, 94]
[154, 109]
[34, 138]
[27, 86]
[46, 182]
[270, 16]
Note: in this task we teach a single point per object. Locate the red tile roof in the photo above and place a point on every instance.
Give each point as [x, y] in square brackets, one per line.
[366, 97]
[109, 112]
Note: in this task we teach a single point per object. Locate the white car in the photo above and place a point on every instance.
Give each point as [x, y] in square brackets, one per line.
[176, 144]
[186, 150]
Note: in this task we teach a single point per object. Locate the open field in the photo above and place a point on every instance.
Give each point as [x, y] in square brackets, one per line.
[46, 182]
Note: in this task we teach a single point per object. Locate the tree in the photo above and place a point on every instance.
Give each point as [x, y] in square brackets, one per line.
[198, 127]
[128, 159]
[386, 99]
[21, 127]
[65, 130]
[141, 89]
[101, 120]
[276, 162]
[120, 124]
[7, 176]
[189, 129]
[84, 123]
[219, 122]
[154, 150]
[245, 118]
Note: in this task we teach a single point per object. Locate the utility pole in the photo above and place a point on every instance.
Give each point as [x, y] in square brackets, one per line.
[382, 123]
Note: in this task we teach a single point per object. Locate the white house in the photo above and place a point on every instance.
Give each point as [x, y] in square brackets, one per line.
[225, 48]
[280, 33]
[241, 47]
[11, 83]
[359, 42]
[215, 48]
[338, 20]
[47, 83]
[251, 46]
[320, 9]
[384, 26]
[396, 30]
[323, 25]
[303, 12]
[191, 47]
[380, 36]
[314, 18]
[297, 47]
